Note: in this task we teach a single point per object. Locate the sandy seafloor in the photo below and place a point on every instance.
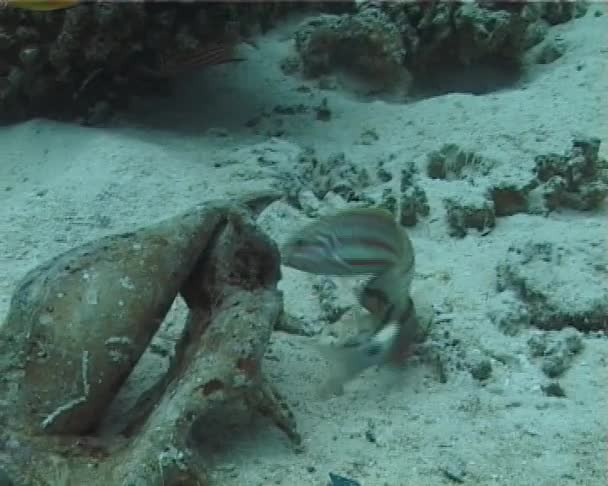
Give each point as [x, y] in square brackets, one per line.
[61, 185]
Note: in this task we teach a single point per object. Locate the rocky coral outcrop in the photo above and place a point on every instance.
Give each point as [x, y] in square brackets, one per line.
[85, 61]
[561, 283]
[394, 43]
[366, 44]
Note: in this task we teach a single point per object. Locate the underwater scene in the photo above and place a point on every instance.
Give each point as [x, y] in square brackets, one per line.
[315, 243]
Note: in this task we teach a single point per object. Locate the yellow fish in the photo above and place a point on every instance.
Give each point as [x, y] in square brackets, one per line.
[40, 5]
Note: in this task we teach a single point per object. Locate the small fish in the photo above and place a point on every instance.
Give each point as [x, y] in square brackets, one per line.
[207, 55]
[40, 5]
[363, 241]
[213, 53]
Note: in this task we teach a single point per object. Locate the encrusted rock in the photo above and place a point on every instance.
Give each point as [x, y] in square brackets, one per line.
[562, 283]
[469, 211]
[576, 180]
[365, 44]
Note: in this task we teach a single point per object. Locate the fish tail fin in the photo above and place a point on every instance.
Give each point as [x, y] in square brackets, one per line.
[346, 362]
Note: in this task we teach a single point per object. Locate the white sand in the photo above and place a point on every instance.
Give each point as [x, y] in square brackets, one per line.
[61, 185]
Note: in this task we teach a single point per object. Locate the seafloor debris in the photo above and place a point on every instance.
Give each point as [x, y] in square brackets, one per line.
[480, 367]
[508, 313]
[553, 389]
[510, 196]
[578, 180]
[332, 306]
[79, 323]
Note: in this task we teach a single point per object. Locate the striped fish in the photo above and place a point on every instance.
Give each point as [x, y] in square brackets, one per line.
[208, 55]
[363, 241]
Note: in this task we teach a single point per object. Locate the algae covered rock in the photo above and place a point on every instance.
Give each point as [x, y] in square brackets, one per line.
[471, 32]
[365, 44]
[562, 284]
[469, 211]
